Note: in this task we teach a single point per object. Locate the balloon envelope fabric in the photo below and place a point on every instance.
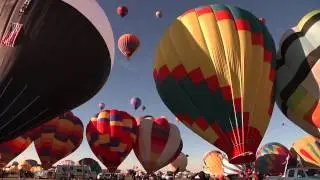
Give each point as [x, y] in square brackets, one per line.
[214, 69]
[111, 136]
[308, 150]
[159, 143]
[47, 56]
[298, 80]
[12, 148]
[58, 138]
[272, 159]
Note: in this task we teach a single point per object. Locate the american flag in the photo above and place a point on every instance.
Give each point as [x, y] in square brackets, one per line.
[10, 38]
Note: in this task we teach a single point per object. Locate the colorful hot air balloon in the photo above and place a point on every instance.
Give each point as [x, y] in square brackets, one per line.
[111, 135]
[297, 88]
[159, 143]
[135, 102]
[122, 11]
[58, 138]
[45, 61]
[272, 159]
[158, 14]
[101, 106]
[214, 69]
[218, 164]
[308, 150]
[179, 164]
[213, 163]
[128, 44]
[93, 164]
[12, 148]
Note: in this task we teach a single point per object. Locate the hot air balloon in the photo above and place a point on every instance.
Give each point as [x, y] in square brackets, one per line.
[122, 11]
[218, 164]
[101, 106]
[272, 159]
[159, 143]
[58, 138]
[45, 61]
[307, 150]
[297, 88]
[214, 69]
[128, 44]
[179, 164]
[143, 108]
[12, 148]
[135, 102]
[158, 14]
[213, 163]
[262, 19]
[93, 164]
[111, 135]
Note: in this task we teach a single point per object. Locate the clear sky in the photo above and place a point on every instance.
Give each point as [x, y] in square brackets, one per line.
[134, 78]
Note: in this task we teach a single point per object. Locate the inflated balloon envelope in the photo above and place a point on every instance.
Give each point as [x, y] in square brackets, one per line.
[54, 56]
[214, 69]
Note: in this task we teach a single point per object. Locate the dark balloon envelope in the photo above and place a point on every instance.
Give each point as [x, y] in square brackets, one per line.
[54, 56]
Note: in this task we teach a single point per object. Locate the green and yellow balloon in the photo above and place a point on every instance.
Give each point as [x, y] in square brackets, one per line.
[214, 69]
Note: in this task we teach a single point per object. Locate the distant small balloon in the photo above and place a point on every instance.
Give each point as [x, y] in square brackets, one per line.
[262, 19]
[135, 102]
[122, 11]
[143, 108]
[101, 106]
[158, 14]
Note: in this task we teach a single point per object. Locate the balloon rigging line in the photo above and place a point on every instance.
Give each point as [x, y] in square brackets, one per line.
[14, 100]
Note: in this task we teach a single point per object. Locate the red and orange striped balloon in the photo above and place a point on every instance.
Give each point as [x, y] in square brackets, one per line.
[128, 44]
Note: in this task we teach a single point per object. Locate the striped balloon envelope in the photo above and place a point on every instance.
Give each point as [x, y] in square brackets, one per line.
[128, 44]
[271, 159]
[307, 150]
[298, 81]
[215, 69]
[57, 138]
[159, 143]
[111, 135]
[12, 148]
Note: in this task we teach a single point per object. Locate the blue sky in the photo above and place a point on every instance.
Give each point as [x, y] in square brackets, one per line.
[134, 78]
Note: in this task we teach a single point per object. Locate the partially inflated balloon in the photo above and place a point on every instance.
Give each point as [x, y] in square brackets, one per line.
[159, 143]
[128, 44]
[214, 69]
[308, 150]
[298, 81]
[179, 164]
[272, 159]
[12, 148]
[213, 162]
[50, 62]
[111, 136]
[58, 138]
[93, 164]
